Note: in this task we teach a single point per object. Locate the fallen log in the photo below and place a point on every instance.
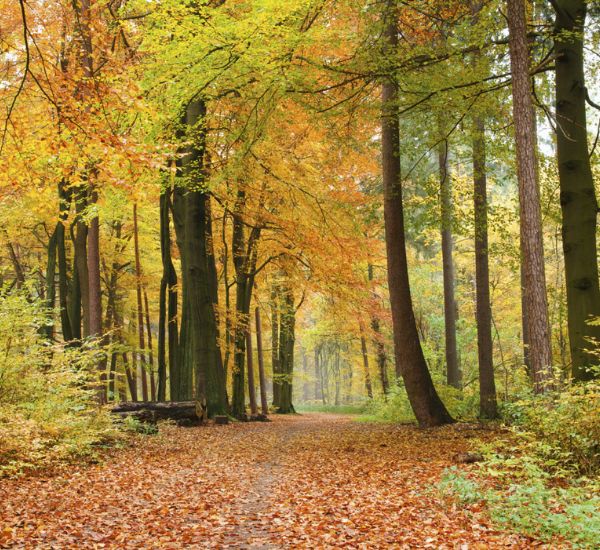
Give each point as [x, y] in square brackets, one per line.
[182, 412]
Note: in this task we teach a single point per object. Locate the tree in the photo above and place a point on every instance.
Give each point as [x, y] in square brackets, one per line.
[410, 361]
[577, 191]
[487, 385]
[532, 249]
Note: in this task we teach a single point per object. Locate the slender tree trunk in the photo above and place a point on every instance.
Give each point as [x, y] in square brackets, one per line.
[487, 384]
[140, 308]
[51, 278]
[264, 405]
[365, 355]
[524, 321]
[167, 323]
[81, 263]
[251, 383]
[275, 344]
[410, 361]
[63, 279]
[378, 342]
[318, 375]
[532, 250]
[452, 367]
[150, 352]
[577, 192]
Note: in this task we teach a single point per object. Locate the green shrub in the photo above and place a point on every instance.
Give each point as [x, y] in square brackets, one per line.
[47, 409]
[533, 507]
[562, 428]
[396, 408]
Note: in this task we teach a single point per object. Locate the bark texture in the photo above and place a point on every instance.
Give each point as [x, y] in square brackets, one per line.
[577, 192]
[532, 250]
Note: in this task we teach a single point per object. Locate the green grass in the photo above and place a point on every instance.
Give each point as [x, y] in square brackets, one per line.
[354, 408]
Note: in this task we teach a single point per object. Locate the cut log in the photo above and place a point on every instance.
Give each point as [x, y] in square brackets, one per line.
[182, 412]
[221, 419]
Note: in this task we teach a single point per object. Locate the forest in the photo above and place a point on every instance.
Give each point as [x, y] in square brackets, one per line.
[299, 274]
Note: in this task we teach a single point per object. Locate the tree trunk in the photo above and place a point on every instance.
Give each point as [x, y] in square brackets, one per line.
[140, 308]
[365, 355]
[199, 355]
[286, 352]
[251, 383]
[532, 250]
[487, 385]
[167, 323]
[379, 343]
[264, 405]
[577, 192]
[51, 278]
[81, 262]
[410, 361]
[150, 352]
[452, 367]
[275, 343]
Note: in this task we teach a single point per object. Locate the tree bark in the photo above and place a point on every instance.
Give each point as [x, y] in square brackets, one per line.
[275, 342]
[286, 351]
[487, 385]
[453, 377]
[577, 192]
[365, 355]
[167, 323]
[140, 308]
[532, 250]
[379, 343]
[264, 405]
[410, 361]
[199, 364]
[251, 383]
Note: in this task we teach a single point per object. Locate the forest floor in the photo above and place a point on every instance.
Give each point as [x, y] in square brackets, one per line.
[304, 481]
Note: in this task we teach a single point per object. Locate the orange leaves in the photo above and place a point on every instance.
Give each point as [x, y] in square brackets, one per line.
[315, 481]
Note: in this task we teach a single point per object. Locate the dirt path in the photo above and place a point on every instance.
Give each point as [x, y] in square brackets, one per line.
[310, 481]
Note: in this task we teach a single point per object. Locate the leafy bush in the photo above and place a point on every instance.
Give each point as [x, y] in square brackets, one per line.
[396, 408]
[562, 427]
[47, 409]
[533, 507]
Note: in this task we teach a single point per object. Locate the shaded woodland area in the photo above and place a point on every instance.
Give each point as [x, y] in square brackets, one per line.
[235, 209]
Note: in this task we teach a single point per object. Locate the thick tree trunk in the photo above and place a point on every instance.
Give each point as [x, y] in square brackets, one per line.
[264, 405]
[577, 192]
[199, 355]
[532, 250]
[286, 352]
[184, 412]
[487, 385]
[426, 404]
[452, 366]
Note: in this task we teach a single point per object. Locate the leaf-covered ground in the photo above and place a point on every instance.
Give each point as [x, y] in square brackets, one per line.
[310, 481]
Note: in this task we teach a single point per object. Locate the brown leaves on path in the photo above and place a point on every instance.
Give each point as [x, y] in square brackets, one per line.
[310, 481]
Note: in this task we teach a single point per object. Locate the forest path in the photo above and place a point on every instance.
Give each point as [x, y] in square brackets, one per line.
[305, 481]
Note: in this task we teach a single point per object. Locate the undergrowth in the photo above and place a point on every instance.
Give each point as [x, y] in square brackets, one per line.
[48, 409]
[543, 480]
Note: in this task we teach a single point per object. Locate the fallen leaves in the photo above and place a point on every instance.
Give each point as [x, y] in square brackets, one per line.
[312, 481]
